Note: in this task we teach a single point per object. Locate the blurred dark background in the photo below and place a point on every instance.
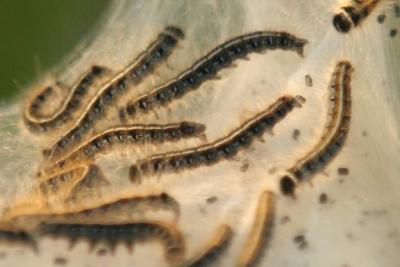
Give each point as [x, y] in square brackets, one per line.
[37, 34]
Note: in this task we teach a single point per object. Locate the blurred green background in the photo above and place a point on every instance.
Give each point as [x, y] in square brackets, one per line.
[37, 34]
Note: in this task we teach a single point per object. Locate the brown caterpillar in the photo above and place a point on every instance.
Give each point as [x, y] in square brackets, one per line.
[112, 234]
[223, 148]
[133, 74]
[334, 136]
[213, 250]
[207, 67]
[260, 234]
[39, 122]
[138, 133]
[353, 15]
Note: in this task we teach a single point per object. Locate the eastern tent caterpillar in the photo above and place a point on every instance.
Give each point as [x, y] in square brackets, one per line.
[39, 122]
[207, 67]
[353, 15]
[223, 148]
[333, 137]
[112, 234]
[18, 237]
[134, 134]
[133, 74]
[261, 231]
[213, 250]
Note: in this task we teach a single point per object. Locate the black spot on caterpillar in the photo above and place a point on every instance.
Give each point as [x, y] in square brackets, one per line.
[335, 134]
[18, 237]
[207, 67]
[38, 122]
[353, 15]
[133, 74]
[112, 234]
[134, 134]
[223, 148]
[122, 115]
[213, 250]
[260, 234]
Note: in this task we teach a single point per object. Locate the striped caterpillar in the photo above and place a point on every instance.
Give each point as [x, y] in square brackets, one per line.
[223, 148]
[26, 228]
[135, 134]
[112, 234]
[334, 136]
[207, 67]
[39, 122]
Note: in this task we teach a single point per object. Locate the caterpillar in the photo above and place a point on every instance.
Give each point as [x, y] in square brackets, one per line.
[260, 233]
[39, 122]
[19, 237]
[207, 67]
[333, 137]
[112, 234]
[225, 147]
[137, 133]
[120, 210]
